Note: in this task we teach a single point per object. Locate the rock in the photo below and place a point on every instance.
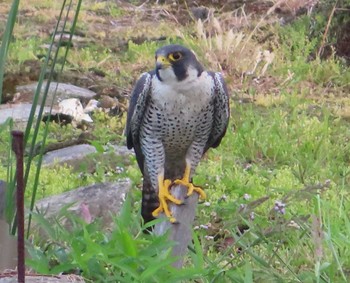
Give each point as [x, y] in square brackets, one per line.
[96, 201]
[72, 155]
[78, 41]
[121, 150]
[8, 248]
[92, 106]
[64, 91]
[71, 111]
[74, 108]
[107, 102]
[8, 243]
[18, 112]
[201, 12]
[76, 155]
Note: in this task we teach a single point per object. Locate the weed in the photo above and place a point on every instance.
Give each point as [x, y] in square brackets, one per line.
[125, 254]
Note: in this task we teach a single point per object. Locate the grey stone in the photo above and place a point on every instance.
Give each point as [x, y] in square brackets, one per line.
[200, 12]
[8, 248]
[73, 108]
[8, 243]
[96, 201]
[63, 91]
[122, 150]
[69, 155]
[18, 112]
[77, 154]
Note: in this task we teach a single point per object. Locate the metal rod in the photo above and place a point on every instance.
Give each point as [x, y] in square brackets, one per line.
[17, 147]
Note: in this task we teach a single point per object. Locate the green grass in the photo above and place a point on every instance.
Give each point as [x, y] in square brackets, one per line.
[293, 157]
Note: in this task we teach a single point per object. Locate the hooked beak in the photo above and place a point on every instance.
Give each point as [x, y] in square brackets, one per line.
[162, 62]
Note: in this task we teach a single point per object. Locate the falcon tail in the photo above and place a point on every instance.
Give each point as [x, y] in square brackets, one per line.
[149, 201]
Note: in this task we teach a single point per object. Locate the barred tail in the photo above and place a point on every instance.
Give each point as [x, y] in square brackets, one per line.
[149, 200]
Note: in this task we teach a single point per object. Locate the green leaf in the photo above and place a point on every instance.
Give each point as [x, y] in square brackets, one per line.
[198, 257]
[45, 224]
[64, 267]
[5, 40]
[157, 265]
[128, 243]
[99, 147]
[248, 278]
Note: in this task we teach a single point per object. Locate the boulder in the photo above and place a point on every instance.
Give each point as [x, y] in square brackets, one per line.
[73, 108]
[8, 243]
[63, 91]
[100, 201]
[18, 112]
[72, 155]
[79, 154]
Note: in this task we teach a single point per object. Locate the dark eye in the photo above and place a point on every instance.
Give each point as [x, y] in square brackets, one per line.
[175, 56]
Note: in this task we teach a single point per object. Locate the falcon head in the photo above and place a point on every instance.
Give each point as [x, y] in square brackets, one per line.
[176, 63]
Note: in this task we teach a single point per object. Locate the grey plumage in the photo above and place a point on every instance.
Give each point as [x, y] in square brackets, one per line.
[176, 113]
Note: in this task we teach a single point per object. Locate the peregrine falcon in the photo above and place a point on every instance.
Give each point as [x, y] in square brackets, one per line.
[176, 113]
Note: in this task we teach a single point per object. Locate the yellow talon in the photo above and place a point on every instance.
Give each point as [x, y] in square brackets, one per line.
[191, 188]
[165, 196]
[185, 181]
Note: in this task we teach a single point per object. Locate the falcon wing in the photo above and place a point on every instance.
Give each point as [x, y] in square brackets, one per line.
[137, 107]
[221, 111]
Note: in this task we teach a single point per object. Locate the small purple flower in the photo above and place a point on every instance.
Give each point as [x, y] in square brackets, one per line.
[280, 207]
[252, 215]
[223, 197]
[327, 183]
[247, 196]
[247, 166]
[119, 169]
[242, 206]
[209, 238]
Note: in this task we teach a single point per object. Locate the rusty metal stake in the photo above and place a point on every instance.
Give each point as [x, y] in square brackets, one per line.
[17, 147]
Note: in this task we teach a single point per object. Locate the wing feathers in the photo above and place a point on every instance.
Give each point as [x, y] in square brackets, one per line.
[221, 111]
[138, 104]
[137, 107]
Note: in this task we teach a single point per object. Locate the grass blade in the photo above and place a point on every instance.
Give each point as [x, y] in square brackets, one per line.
[6, 38]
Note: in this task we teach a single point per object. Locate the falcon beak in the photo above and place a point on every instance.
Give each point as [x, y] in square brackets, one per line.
[162, 62]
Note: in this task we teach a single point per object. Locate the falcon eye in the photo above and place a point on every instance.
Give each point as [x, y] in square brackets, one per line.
[175, 56]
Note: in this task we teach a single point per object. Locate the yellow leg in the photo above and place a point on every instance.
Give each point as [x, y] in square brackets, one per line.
[186, 182]
[165, 196]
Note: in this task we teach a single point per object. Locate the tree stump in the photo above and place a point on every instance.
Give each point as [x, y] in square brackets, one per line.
[180, 232]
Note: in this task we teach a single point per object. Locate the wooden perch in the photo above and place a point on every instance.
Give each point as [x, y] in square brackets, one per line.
[180, 232]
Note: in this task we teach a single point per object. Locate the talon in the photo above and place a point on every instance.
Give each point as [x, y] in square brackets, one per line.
[191, 188]
[165, 196]
[185, 181]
